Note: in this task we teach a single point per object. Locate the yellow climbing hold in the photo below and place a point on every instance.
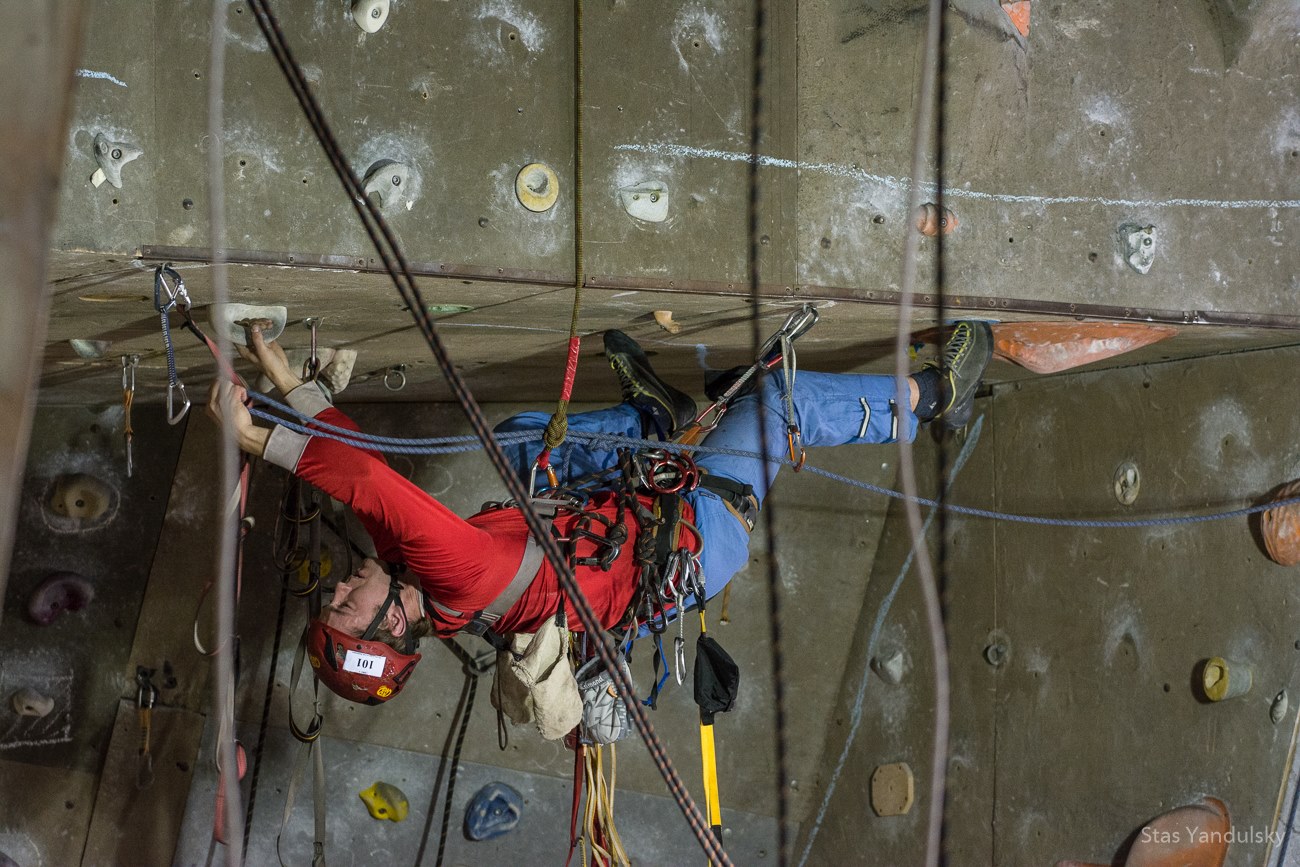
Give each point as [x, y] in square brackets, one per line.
[385, 801]
[537, 187]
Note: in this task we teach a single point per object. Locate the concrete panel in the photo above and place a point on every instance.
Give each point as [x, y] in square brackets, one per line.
[50, 827]
[134, 824]
[1106, 114]
[652, 827]
[81, 658]
[1106, 627]
[876, 723]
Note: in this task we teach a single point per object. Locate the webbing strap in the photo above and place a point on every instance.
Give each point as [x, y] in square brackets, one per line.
[712, 804]
[506, 599]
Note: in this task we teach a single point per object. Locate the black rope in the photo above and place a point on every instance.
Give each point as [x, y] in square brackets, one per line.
[759, 72]
[467, 693]
[399, 270]
[266, 711]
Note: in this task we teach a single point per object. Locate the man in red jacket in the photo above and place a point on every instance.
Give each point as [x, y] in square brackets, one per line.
[439, 573]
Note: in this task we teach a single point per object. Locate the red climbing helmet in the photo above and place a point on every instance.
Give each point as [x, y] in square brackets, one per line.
[360, 669]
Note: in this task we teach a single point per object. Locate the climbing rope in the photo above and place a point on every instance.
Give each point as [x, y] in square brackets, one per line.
[756, 117]
[558, 426]
[399, 271]
[461, 444]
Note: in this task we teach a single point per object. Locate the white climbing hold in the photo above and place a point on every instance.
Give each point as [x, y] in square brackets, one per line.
[646, 201]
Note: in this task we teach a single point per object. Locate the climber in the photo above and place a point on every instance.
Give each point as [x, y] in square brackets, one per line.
[439, 573]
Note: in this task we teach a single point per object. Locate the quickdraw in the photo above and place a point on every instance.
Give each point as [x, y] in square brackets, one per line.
[129, 364]
[772, 353]
[176, 298]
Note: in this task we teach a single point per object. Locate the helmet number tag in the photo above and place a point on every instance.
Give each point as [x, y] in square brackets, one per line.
[363, 663]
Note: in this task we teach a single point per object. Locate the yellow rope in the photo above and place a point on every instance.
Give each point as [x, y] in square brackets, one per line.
[558, 427]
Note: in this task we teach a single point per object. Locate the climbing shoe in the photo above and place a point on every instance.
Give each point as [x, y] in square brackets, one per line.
[666, 408]
[960, 369]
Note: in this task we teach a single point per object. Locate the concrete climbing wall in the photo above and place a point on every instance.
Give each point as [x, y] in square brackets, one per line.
[1091, 722]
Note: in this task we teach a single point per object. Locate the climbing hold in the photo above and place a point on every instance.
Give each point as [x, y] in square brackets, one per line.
[1195, 835]
[537, 187]
[86, 348]
[385, 801]
[665, 320]
[111, 156]
[61, 591]
[929, 221]
[494, 810]
[80, 496]
[389, 182]
[1222, 679]
[1050, 347]
[1128, 481]
[234, 319]
[646, 201]
[370, 15]
[29, 702]
[892, 789]
[890, 666]
[1139, 246]
[1280, 527]
[1277, 710]
[1018, 12]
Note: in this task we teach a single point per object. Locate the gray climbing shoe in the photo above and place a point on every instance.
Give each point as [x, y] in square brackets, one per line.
[961, 368]
[666, 408]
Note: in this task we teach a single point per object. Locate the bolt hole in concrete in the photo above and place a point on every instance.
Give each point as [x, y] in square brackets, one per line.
[878, 219]
[513, 36]
[1092, 257]
[188, 204]
[826, 243]
[243, 163]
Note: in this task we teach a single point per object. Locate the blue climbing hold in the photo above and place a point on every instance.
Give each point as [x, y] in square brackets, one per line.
[493, 811]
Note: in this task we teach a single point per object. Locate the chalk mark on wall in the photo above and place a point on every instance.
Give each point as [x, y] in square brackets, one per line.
[26, 731]
[902, 184]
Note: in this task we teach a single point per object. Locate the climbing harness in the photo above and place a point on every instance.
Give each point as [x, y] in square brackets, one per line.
[169, 296]
[129, 364]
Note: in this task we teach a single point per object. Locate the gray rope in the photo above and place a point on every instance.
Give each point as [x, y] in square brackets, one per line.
[460, 444]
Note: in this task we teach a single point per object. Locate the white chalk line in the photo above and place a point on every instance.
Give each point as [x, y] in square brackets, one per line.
[856, 715]
[903, 184]
[104, 76]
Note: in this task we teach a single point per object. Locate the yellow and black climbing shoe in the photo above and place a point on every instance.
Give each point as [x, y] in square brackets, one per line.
[664, 407]
[960, 369]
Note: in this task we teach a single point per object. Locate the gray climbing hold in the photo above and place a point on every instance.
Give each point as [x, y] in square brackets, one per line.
[29, 702]
[111, 156]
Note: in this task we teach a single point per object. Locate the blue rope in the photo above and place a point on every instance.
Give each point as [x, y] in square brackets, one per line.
[460, 444]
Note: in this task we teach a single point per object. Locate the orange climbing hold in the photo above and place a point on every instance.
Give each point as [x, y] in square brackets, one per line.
[1196, 835]
[1018, 12]
[1280, 527]
[1050, 347]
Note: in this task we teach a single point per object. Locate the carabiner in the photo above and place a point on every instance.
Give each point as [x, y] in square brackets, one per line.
[177, 298]
[172, 416]
[795, 440]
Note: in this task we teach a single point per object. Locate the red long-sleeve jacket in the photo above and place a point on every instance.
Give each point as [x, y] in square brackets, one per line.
[461, 564]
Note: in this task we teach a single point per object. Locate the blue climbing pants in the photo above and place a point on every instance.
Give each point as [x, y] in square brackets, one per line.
[832, 409]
